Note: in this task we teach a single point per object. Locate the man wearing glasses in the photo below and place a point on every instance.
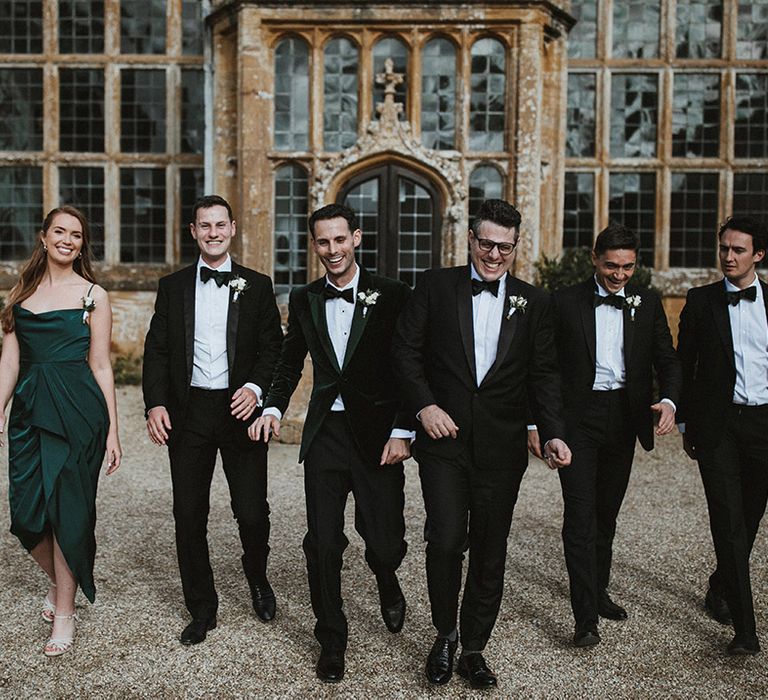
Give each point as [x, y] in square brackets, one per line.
[472, 345]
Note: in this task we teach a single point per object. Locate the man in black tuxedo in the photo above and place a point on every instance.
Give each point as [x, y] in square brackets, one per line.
[723, 347]
[610, 337]
[354, 439]
[210, 351]
[472, 345]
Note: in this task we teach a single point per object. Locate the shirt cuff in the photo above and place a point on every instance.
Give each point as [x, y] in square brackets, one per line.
[531, 427]
[403, 434]
[671, 403]
[256, 389]
[272, 411]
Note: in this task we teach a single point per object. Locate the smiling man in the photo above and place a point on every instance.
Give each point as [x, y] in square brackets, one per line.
[610, 337]
[210, 351]
[723, 346]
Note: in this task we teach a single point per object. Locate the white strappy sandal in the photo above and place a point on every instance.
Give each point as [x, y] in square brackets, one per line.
[61, 645]
[49, 609]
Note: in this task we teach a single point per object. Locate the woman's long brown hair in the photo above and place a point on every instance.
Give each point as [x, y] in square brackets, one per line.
[32, 273]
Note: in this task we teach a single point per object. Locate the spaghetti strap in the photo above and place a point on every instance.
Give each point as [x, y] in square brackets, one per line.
[90, 289]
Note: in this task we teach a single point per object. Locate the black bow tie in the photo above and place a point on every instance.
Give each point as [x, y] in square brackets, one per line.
[479, 285]
[750, 294]
[330, 292]
[613, 300]
[221, 278]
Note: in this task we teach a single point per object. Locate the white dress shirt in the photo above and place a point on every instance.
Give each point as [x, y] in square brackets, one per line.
[487, 311]
[610, 372]
[749, 330]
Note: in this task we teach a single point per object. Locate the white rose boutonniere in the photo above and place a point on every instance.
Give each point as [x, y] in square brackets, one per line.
[368, 298]
[239, 285]
[89, 304]
[516, 303]
[633, 304]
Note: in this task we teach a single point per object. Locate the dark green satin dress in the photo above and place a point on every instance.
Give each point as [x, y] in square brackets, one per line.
[56, 438]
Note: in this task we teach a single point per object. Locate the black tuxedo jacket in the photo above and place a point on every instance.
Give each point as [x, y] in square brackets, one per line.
[254, 336]
[647, 346]
[434, 358]
[364, 380]
[705, 347]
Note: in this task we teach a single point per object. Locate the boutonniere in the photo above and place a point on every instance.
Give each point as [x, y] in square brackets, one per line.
[89, 304]
[516, 303]
[368, 298]
[239, 285]
[633, 304]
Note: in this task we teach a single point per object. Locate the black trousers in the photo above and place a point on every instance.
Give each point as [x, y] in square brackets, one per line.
[593, 485]
[735, 478]
[208, 429]
[468, 507]
[333, 467]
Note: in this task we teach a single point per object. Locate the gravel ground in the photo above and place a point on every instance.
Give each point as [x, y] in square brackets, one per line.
[127, 644]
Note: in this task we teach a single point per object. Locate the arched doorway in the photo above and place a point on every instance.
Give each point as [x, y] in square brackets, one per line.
[400, 216]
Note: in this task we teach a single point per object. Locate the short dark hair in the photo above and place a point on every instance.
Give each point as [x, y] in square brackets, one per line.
[749, 225]
[616, 236]
[208, 201]
[333, 211]
[499, 212]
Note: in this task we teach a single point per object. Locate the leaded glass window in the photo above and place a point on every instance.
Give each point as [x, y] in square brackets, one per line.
[752, 29]
[696, 115]
[81, 109]
[340, 85]
[21, 207]
[81, 26]
[582, 39]
[363, 199]
[698, 28]
[292, 95]
[581, 115]
[142, 26]
[415, 226]
[579, 210]
[290, 237]
[634, 110]
[751, 129]
[390, 47]
[488, 96]
[636, 28]
[21, 109]
[84, 189]
[192, 28]
[21, 26]
[192, 110]
[142, 111]
[191, 188]
[438, 94]
[633, 203]
[750, 194]
[486, 182]
[693, 217]
[142, 215]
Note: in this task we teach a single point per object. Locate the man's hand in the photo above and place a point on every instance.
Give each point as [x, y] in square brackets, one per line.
[244, 403]
[437, 423]
[690, 450]
[534, 443]
[158, 425]
[557, 454]
[263, 427]
[665, 416]
[396, 450]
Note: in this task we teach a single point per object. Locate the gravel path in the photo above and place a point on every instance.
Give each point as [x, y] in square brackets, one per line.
[128, 641]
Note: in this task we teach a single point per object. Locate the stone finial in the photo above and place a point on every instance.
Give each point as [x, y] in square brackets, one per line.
[389, 109]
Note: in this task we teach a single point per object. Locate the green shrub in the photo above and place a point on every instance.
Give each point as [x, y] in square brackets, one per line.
[574, 266]
[127, 369]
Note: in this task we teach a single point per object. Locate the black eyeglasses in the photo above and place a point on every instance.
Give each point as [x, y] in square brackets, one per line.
[487, 245]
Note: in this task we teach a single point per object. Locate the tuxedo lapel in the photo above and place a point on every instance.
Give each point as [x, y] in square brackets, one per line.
[233, 317]
[629, 329]
[466, 324]
[764, 289]
[360, 316]
[189, 319]
[507, 330]
[317, 311]
[719, 306]
[587, 311]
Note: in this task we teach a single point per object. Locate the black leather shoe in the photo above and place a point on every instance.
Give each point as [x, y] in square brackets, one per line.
[472, 667]
[330, 666]
[264, 603]
[743, 645]
[392, 602]
[717, 607]
[607, 608]
[195, 631]
[586, 637]
[440, 661]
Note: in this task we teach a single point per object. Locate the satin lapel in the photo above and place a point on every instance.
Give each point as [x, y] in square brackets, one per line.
[507, 330]
[719, 308]
[629, 329]
[317, 311]
[466, 324]
[189, 320]
[587, 310]
[764, 289]
[360, 317]
[233, 317]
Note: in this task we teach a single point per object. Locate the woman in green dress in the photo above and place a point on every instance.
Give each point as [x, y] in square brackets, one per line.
[57, 326]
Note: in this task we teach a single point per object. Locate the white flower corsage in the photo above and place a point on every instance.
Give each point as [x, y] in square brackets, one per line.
[89, 304]
[515, 303]
[368, 298]
[633, 303]
[239, 285]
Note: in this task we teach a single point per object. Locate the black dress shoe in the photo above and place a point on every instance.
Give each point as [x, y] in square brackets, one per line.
[473, 668]
[392, 602]
[743, 645]
[717, 607]
[264, 603]
[330, 666]
[195, 631]
[607, 608]
[440, 661]
[586, 637]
